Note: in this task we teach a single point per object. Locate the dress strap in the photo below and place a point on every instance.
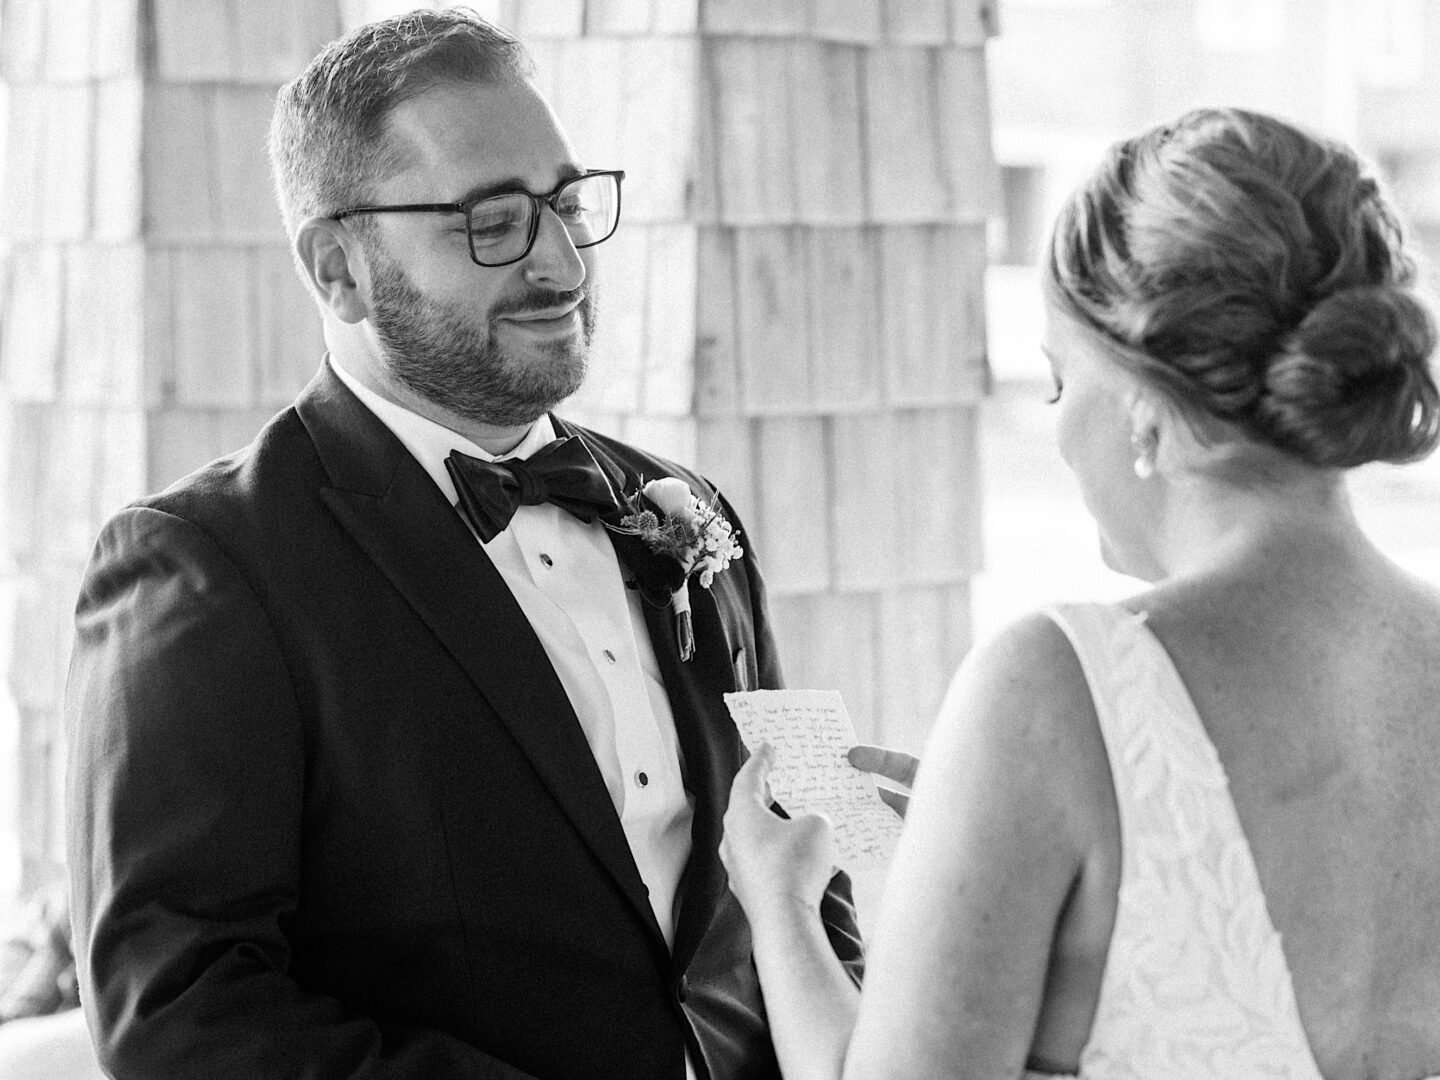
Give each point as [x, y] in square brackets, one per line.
[1196, 983]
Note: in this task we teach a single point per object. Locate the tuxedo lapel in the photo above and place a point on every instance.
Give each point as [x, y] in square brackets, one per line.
[708, 741]
[711, 747]
[397, 515]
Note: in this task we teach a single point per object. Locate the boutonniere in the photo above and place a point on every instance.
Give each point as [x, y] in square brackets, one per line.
[672, 522]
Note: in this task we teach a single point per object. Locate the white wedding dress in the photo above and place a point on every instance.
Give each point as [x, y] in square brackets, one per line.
[1196, 986]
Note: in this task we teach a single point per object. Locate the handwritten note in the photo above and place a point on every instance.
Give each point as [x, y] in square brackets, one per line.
[810, 732]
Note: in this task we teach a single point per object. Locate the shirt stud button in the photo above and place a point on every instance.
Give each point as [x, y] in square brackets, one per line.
[546, 559]
[642, 779]
[610, 656]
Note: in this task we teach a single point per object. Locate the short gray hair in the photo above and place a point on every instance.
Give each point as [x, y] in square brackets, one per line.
[328, 141]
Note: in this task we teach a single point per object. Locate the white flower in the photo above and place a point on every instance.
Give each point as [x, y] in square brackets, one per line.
[670, 495]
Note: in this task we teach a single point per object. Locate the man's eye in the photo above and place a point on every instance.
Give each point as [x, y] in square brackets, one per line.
[495, 223]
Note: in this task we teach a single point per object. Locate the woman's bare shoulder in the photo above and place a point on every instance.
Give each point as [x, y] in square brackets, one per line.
[1021, 707]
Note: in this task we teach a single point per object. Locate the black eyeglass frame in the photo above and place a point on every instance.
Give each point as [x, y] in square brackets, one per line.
[538, 201]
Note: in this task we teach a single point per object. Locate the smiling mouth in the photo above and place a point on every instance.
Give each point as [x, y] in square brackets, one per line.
[558, 321]
[551, 314]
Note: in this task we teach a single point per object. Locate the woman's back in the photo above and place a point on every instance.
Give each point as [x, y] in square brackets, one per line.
[1105, 869]
[1316, 673]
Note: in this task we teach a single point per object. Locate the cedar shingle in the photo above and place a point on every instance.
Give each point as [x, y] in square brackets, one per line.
[618, 350]
[105, 356]
[546, 18]
[793, 528]
[771, 319]
[656, 142]
[964, 127]
[917, 22]
[749, 18]
[846, 370]
[750, 137]
[618, 17]
[64, 150]
[117, 193]
[932, 329]
[718, 382]
[213, 291]
[924, 634]
[906, 167]
[288, 337]
[829, 642]
[864, 512]
[827, 152]
[941, 541]
[724, 454]
[972, 22]
[857, 21]
[239, 172]
[33, 321]
[194, 40]
[180, 203]
[670, 300]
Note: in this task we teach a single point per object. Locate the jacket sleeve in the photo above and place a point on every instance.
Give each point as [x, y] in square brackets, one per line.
[185, 793]
[837, 907]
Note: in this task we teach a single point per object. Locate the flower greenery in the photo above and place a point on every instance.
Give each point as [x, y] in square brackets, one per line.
[695, 534]
[673, 523]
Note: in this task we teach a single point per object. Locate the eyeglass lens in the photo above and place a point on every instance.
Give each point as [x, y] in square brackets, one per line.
[502, 226]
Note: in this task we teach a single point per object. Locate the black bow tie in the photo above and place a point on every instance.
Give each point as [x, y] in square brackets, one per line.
[563, 472]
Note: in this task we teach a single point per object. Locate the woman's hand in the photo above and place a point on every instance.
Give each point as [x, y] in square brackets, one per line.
[772, 862]
[893, 767]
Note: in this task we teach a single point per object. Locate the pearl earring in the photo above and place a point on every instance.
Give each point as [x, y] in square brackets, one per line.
[1144, 447]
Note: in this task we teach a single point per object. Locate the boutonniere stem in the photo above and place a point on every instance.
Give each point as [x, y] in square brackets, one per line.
[684, 625]
[674, 523]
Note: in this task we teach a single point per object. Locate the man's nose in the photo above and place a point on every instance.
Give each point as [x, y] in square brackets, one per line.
[554, 260]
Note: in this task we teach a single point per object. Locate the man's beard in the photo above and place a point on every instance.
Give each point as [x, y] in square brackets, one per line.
[458, 365]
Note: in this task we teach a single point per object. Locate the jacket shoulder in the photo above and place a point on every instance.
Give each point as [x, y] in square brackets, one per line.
[279, 460]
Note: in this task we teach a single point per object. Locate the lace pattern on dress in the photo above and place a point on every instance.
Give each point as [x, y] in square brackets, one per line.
[1196, 986]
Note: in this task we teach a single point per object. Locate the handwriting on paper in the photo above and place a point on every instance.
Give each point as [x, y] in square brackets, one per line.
[810, 732]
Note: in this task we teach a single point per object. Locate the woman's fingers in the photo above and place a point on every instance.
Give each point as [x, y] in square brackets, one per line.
[894, 765]
[896, 800]
[753, 779]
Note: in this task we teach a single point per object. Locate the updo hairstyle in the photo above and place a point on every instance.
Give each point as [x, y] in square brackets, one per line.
[1255, 274]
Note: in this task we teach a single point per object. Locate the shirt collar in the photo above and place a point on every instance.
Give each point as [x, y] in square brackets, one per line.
[430, 443]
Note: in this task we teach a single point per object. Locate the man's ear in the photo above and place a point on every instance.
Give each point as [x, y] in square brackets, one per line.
[335, 267]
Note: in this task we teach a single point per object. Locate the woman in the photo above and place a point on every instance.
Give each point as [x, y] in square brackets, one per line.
[1125, 810]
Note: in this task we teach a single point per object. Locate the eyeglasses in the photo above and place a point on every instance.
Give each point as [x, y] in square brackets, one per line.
[502, 228]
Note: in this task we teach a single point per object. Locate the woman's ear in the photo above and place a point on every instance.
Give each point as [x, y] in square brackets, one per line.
[1148, 432]
[335, 267]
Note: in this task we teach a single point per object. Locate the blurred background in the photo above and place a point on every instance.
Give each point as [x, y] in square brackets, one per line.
[823, 291]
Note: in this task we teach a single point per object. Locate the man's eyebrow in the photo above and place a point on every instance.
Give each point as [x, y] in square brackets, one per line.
[514, 183]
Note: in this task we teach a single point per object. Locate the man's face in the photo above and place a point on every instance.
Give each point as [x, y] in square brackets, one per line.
[495, 345]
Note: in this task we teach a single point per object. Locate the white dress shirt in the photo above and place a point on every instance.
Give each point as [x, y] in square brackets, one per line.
[567, 580]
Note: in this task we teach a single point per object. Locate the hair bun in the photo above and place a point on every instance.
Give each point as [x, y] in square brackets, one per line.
[1352, 383]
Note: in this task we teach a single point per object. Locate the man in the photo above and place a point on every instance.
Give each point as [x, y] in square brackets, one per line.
[376, 773]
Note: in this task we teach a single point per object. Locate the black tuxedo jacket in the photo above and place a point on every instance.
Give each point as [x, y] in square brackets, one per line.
[332, 814]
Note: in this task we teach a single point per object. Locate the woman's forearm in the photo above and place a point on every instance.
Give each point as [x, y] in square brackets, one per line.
[809, 997]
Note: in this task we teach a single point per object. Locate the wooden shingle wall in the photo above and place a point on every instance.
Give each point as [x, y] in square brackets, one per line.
[149, 316]
[794, 299]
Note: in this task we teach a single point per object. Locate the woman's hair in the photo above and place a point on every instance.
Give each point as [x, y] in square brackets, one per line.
[328, 138]
[1255, 274]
